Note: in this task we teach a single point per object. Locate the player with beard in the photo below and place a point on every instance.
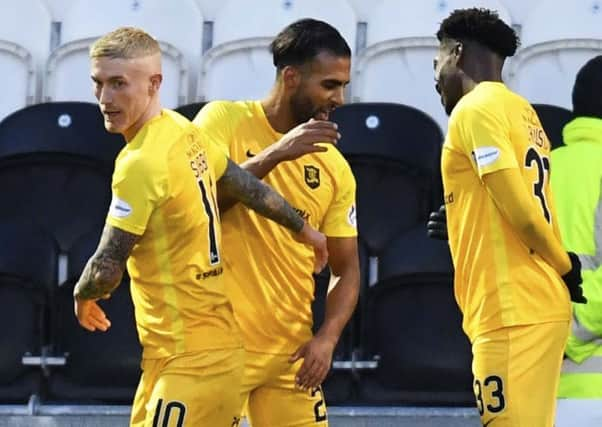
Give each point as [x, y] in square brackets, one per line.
[502, 227]
[287, 140]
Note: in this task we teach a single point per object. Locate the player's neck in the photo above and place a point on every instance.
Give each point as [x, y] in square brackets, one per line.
[153, 110]
[277, 111]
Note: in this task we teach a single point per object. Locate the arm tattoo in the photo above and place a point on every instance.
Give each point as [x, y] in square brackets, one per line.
[243, 186]
[105, 268]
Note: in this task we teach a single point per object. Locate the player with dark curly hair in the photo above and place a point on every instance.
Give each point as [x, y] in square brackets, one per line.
[513, 280]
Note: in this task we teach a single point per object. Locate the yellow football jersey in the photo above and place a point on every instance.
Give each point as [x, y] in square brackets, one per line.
[164, 190]
[269, 275]
[498, 280]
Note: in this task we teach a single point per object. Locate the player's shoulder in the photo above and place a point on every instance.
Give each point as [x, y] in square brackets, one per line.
[486, 99]
[223, 109]
[335, 161]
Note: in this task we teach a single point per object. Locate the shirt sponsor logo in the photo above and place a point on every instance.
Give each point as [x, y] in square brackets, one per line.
[485, 156]
[312, 176]
[120, 208]
[352, 216]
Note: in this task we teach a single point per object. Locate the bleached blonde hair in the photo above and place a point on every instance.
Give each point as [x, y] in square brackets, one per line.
[125, 43]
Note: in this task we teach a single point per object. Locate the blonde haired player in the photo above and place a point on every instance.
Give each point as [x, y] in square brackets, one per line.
[164, 222]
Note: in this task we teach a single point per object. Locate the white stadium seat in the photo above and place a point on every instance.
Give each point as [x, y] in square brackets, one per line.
[397, 64]
[558, 37]
[239, 65]
[24, 46]
[178, 29]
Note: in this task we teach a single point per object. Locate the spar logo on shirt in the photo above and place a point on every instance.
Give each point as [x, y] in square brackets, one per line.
[485, 156]
[119, 208]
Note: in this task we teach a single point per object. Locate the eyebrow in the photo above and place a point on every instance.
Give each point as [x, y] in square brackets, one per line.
[110, 79]
[335, 82]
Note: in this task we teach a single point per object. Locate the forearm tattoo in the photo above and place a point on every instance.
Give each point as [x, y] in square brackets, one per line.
[245, 187]
[105, 268]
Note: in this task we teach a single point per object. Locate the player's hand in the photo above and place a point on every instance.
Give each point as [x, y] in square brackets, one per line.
[573, 280]
[436, 227]
[302, 139]
[317, 358]
[90, 315]
[310, 236]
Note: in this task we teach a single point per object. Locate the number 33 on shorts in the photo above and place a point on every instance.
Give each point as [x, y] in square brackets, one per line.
[490, 394]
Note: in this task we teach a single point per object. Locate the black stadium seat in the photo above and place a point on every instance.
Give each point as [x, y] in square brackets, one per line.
[61, 129]
[394, 151]
[413, 328]
[190, 110]
[553, 119]
[28, 269]
[109, 373]
[56, 161]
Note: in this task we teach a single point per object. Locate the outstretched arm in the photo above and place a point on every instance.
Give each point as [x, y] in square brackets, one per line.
[101, 275]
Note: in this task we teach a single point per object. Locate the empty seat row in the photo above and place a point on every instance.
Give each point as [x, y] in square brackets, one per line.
[393, 43]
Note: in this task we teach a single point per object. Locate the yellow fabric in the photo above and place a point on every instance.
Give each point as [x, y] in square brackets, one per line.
[269, 278]
[178, 291]
[271, 398]
[516, 372]
[199, 389]
[498, 281]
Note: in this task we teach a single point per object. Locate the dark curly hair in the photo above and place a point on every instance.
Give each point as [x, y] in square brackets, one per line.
[483, 26]
[587, 91]
[302, 40]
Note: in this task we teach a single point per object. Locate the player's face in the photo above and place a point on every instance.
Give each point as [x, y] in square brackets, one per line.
[320, 88]
[123, 89]
[448, 76]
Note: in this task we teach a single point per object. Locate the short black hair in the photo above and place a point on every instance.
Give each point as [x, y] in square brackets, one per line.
[483, 26]
[303, 40]
[587, 90]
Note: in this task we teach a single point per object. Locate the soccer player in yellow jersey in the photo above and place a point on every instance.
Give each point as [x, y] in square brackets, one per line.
[164, 222]
[287, 140]
[503, 234]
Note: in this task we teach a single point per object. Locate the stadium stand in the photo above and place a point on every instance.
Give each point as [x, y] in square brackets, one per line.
[543, 70]
[397, 63]
[553, 119]
[111, 372]
[57, 173]
[26, 288]
[67, 72]
[22, 53]
[240, 42]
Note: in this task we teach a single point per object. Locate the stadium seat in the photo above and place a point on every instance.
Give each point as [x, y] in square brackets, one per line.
[241, 40]
[414, 253]
[397, 64]
[544, 70]
[553, 119]
[394, 152]
[22, 53]
[338, 386]
[57, 173]
[413, 330]
[110, 372]
[69, 129]
[17, 62]
[190, 110]
[68, 68]
[28, 270]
